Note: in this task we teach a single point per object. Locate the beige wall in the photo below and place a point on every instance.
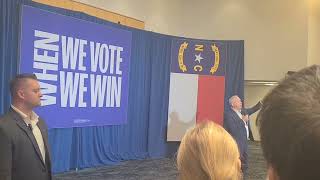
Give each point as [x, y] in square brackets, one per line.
[314, 33]
[275, 32]
[94, 11]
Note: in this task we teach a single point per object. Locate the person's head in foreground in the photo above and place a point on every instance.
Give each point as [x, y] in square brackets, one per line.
[208, 152]
[290, 127]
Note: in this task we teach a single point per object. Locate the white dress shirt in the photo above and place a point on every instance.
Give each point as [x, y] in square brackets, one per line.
[245, 123]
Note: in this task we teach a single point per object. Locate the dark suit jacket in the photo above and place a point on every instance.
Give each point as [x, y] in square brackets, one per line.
[20, 157]
[236, 128]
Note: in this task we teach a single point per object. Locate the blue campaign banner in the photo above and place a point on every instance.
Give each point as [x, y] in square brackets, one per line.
[82, 67]
[203, 57]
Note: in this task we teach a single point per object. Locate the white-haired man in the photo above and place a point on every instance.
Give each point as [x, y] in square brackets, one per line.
[236, 122]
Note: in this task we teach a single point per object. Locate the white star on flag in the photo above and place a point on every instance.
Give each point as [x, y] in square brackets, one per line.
[198, 58]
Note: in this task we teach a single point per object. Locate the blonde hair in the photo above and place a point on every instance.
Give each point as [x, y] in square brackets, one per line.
[208, 152]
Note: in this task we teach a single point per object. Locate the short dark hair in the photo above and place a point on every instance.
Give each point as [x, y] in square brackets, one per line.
[290, 126]
[16, 81]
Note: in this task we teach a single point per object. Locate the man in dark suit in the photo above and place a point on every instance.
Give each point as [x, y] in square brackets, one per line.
[24, 151]
[236, 123]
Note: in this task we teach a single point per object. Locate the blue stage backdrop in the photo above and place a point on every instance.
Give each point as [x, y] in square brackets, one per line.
[144, 134]
[82, 67]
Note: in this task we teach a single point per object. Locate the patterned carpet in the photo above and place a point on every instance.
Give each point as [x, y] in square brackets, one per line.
[157, 169]
[257, 164]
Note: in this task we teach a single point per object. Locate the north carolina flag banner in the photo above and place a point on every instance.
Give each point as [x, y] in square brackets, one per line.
[197, 83]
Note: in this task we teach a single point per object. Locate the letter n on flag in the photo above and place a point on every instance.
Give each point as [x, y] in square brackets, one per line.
[197, 83]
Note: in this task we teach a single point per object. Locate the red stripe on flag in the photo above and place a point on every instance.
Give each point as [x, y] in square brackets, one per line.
[210, 98]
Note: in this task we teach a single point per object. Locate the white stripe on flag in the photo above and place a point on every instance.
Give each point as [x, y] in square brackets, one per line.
[182, 104]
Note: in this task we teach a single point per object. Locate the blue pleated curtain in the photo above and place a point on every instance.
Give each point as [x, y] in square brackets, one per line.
[144, 136]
